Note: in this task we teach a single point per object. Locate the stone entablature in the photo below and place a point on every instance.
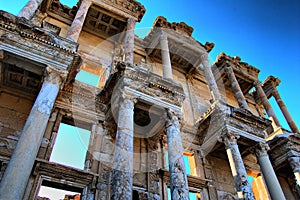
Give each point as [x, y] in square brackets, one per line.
[282, 147]
[144, 82]
[21, 37]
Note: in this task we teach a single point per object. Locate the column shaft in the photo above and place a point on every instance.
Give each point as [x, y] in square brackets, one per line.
[236, 89]
[77, 24]
[237, 165]
[123, 156]
[285, 112]
[29, 9]
[18, 171]
[209, 76]
[269, 175]
[178, 177]
[165, 57]
[129, 41]
[266, 102]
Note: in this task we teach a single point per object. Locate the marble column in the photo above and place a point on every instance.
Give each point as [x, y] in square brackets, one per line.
[165, 57]
[18, 171]
[178, 177]
[294, 162]
[236, 89]
[77, 24]
[129, 41]
[269, 175]
[285, 111]
[209, 76]
[237, 165]
[265, 101]
[121, 187]
[29, 9]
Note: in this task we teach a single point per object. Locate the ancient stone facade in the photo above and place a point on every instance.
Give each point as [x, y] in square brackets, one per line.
[164, 123]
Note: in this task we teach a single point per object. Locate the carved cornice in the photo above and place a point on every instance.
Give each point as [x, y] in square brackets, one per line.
[129, 7]
[282, 147]
[180, 27]
[63, 11]
[28, 30]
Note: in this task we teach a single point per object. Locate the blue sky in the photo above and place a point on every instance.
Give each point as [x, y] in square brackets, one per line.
[265, 33]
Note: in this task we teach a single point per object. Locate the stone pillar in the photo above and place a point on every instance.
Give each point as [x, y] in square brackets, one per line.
[269, 175]
[237, 165]
[209, 76]
[123, 155]
[265, 101]
[178, 177]
[15, 178]
[129, 41]
[165, 57]
[29, 9]
[236, 89]
[285, 111]
[294, 162]
[77, 24]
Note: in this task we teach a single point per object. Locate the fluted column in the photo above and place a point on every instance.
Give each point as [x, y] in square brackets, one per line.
[129, 41]
[77, 24]
[178, 177]
[236, 89]
[285, 111]
[14, 181]
[294, 162]
[237, 165]
[165, 57]
[269, 175]
[123, 156]
[29, 9]
[209, 76]
[265, 101]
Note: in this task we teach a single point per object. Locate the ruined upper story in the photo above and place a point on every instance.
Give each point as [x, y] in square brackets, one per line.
[101, 44]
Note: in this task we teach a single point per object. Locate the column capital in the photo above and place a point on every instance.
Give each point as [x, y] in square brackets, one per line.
[257, 83]
[229, 138]
[262, 149]
[130, 24]
[294, 163]
[173, 118]
[54, 75]
[163, 36]
[204, 59]
[128, 99]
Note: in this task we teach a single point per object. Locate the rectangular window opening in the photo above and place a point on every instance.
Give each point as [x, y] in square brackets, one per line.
[189, 162]
[57, 191]
[192, 195]
[71, 146]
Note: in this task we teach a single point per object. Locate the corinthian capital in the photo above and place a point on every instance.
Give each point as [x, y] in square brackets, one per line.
[173, 118]
[204, 58]
[128, 100]
[229, 138]
[55, 76]
[256, 83]
[294, 163]
[262, 149]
